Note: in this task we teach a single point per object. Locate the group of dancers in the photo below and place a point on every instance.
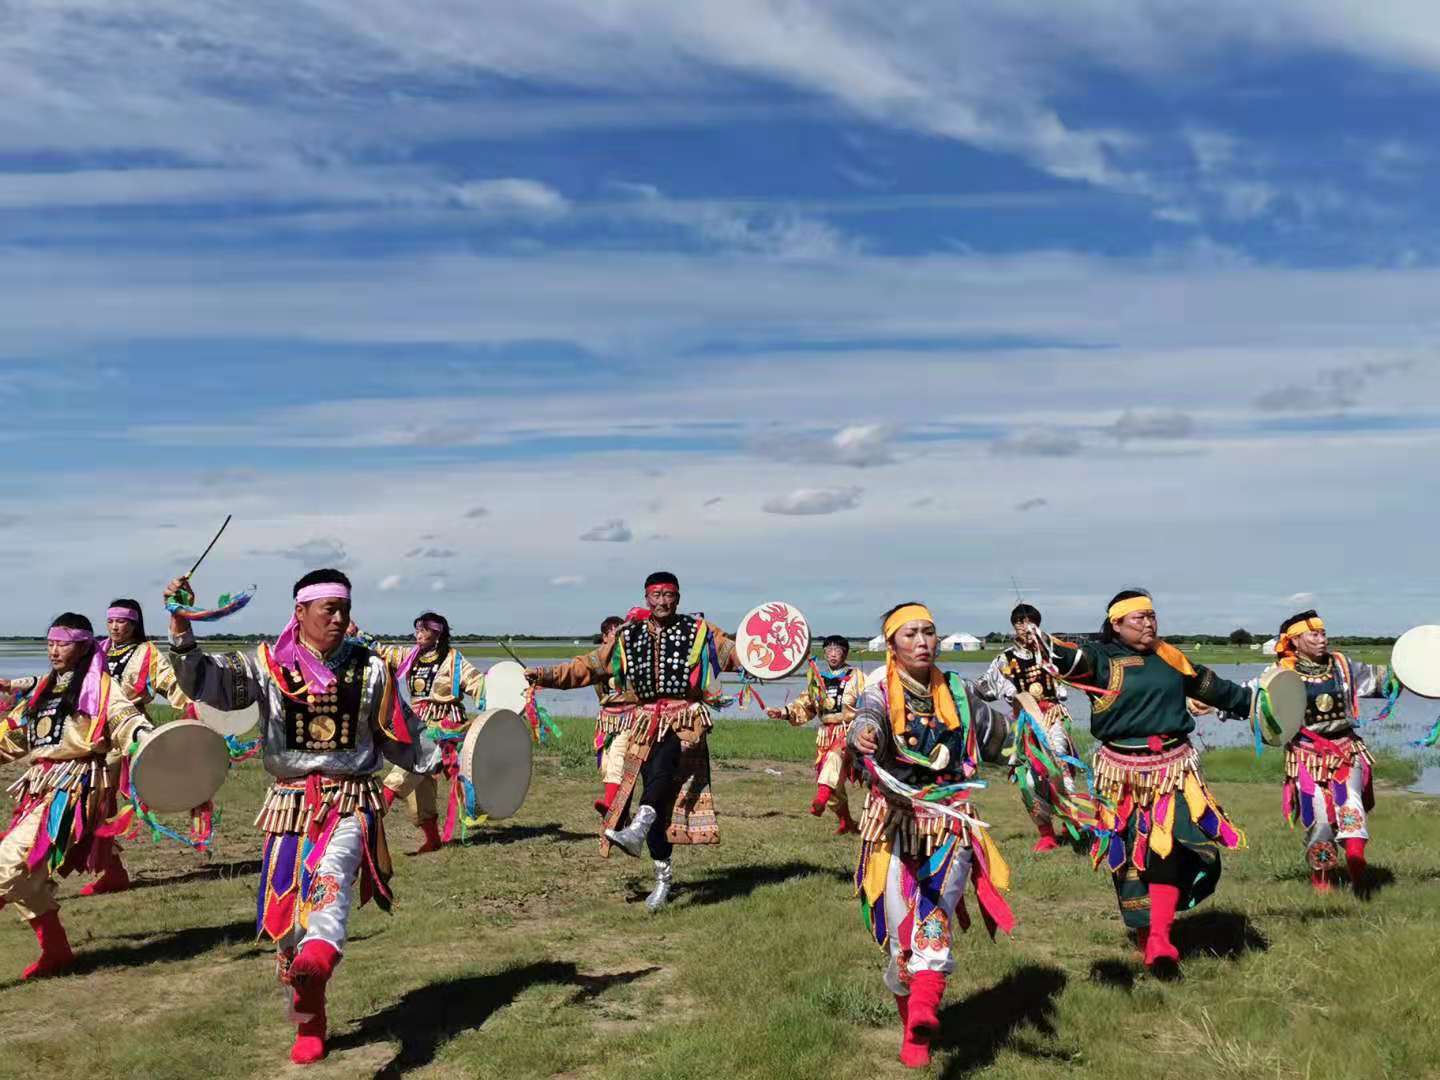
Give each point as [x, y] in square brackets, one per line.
[332, 705]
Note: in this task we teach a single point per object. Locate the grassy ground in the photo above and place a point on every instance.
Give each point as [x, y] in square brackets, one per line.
[523, 954]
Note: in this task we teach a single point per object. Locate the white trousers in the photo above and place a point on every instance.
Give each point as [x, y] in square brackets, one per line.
[927, 945]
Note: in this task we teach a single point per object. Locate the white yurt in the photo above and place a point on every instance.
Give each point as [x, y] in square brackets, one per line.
[1269, 647]
[961, 643]
[876, 643]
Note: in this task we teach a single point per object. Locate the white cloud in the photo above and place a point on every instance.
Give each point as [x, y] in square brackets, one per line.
[613, 531]
[438, 585]
[567, 581]
[1153, 424]
[814, 501]
[390, 583]
[1302, 598]
[512, 197]
[1038, 442]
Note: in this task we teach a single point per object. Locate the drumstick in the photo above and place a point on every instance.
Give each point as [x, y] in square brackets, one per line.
[208, 547]
[511, 652]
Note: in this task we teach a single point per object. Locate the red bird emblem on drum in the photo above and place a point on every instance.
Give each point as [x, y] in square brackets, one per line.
[778, 635]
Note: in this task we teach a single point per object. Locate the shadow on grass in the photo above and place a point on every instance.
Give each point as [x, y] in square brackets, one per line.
[162, 948]
[427, 1018]
[1226, 934]
[977, 1028]
[736, 882]
[226, 871]
[1115, 974]
[492, 836]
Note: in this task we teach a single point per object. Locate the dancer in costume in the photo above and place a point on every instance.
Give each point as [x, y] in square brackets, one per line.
[66, 728]
[439, 679]
[1328, 766]
[922, 734]
[1043, 755]
[329, 712]
[1162, 828]
[140, 671]
[830, 696]
[669, 662]
[617, 708]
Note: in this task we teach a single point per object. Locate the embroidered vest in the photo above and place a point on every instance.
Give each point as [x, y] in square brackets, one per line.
[657, 665]
[317, 723]
[48, 717]
[1327, 694]
[422, 676]
[119, 659]
[1029, 677]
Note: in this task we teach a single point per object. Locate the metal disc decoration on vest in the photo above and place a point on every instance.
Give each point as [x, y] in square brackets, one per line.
[1286, 715]
[228, 722]
[179, 766]
[495, 758]
[773, 641]
[1415, 660]
[506, 686]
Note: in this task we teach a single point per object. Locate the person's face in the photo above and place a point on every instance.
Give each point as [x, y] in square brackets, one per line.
[66, 655]
[323, 622]
[914, 645]
[835, 655]
[1025, 633]
[663, 600]
[427, 637]
[122, 631]
[608, 634]
[1312, 645]
[1138, 630]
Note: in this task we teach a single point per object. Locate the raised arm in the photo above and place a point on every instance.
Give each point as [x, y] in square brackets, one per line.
[1229, 697]
[393, 655]
[587, 670]
[1074, 659]
[222, 680]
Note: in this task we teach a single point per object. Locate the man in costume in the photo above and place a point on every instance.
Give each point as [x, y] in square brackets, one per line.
[1042, 761]
[1161, 827]
[1327, 765]
[617, 708]
[329, 711]
[670, 663]
[439, 679]
[921, 734]
[140, 671]
[830, 696]
[67, 727]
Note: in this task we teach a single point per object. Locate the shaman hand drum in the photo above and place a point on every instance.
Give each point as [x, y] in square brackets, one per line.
[179, 766]
[506, 686]
[1286, 717]
[227, 722]
[773, 641]
[1415, 661]
[495, 758]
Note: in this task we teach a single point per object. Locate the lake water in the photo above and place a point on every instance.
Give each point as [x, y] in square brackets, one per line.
[1408, 723]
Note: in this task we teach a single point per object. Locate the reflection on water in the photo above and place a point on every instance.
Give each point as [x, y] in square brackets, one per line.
[1406, 725]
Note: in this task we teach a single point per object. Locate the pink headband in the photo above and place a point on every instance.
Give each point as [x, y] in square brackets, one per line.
[431, 624]
[122, 613]
[327, 590]
[65, 633]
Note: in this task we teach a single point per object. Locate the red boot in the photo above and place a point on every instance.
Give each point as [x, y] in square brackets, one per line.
[602, 804]
[309, 974]
[913, 1055]
[55, 954]
[1161, 957]
[926, 990]
[1320, 881]
[114, 878]
[388, 794]
[847, 823]
[431, 831]
[1355, 862]
[1047, 841]
[822, 796]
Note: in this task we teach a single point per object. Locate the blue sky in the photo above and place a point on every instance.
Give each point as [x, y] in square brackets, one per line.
[501, 306]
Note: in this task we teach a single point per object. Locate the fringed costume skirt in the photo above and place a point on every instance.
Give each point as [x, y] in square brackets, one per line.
[1159, 824]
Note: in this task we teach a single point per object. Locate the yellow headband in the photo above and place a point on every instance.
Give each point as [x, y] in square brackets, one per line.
[1304, 626]
[909, 613]
[1121, 608]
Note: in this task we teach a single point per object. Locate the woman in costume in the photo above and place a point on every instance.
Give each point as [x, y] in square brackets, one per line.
[72, 720]
[139, 670]
[617, 708]
[1161, 827]
[439, 679]
[1328, 766]
[1042, 762]
[920, 735]
[330, 712]
[830, 697]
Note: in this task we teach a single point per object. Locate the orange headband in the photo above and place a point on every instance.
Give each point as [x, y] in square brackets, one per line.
[909, 613]
[1121, 608]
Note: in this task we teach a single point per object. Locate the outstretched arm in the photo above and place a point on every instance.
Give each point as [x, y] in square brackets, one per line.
[582, 671]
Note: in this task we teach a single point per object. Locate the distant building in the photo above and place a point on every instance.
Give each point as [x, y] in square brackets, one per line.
[961, 643]
[1269, 647]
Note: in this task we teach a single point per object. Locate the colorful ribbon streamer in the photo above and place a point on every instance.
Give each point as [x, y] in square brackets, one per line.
[182, 603]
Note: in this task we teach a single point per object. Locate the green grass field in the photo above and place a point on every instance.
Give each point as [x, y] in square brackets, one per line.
[523, 954]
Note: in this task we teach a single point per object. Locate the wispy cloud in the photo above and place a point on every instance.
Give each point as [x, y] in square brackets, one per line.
[614, 531]
[567, 581]
[814, 501]
[1333, 388]
[512, 197]
[314, 553]
[1032, 504]
[390, 583]
[1038, 442]
[1153, 424]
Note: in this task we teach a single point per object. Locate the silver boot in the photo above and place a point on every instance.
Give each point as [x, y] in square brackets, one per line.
[630, 838]
[663, 876]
